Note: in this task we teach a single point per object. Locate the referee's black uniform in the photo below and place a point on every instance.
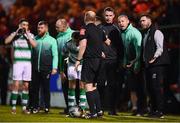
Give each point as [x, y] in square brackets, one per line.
[91, 62]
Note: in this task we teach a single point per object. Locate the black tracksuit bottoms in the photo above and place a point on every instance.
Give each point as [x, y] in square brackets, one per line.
[154, 81]
[40, 79]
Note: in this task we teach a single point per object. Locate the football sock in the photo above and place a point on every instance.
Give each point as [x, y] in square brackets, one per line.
[82, 99]
[97, 100]
[25, 97]
[14, 96]
[71, 97]
[91, 101]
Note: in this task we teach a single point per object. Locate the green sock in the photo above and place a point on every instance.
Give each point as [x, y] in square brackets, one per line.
[25, 97]
[14, 96]
[82, 99]
[71, 97]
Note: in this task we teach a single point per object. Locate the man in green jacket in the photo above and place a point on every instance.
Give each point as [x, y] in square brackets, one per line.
[45, 64]
[132, 50]
[64, 35]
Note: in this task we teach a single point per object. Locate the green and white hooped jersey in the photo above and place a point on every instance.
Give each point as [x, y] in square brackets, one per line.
[22, 50]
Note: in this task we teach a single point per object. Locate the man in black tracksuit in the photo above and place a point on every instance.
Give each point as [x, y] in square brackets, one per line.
[155, 58]
[113, 49]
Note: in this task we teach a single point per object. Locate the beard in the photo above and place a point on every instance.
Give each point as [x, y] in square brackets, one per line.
[41, 34]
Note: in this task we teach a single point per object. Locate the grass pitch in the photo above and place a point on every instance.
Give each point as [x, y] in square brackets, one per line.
[54, 116]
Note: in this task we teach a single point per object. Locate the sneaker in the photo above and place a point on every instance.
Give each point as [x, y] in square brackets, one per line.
[159, 115]
[156, 115]
[46, 110]
[26, 111]
[83, 113]
[29, 109]
[113, 113]
[35, 111]
[162, 117]
[90, 116]
[68, 115]
[13, 111]
[41, 109]
[134, 112]
[100, 113]
[139, 114]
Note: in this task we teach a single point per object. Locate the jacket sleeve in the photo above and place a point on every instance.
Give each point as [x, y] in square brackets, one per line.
[61, 62]
[138, 40]
[55, 54]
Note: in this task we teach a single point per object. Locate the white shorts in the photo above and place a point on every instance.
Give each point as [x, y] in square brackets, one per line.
[72, 73]
[22, 71]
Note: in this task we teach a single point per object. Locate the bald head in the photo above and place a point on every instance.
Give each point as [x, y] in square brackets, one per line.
[90, 17]
[61, 25]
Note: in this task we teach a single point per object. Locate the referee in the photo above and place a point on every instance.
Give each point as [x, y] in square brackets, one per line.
[91, 52]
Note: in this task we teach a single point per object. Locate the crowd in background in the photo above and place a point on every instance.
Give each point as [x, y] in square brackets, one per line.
[164, 12]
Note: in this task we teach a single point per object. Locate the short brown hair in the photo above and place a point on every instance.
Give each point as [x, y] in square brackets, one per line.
[23, 20]
[109, 9]
[43, 23]
[147, 16]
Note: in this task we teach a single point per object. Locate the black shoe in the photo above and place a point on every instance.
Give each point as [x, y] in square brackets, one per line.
[112, 113]
[30, 109]
[100, 113]
[46, 110]
[90, 116]
[139, 114]
[35, 111]
[134, 112]
[156, 114]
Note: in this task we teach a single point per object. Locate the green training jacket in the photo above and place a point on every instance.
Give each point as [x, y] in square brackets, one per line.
[45, 54]
[62, 39]
[132, 39]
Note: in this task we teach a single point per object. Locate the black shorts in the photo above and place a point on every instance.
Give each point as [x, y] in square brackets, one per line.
[90, 70]
[133, 81]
